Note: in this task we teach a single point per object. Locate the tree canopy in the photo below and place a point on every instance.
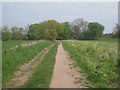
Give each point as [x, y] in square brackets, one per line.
[52, 30]
[94, 30]
[116, 31]
[49, 29]
[67, 31]
[79, 26]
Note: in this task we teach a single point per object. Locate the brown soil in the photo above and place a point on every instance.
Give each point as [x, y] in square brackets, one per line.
[64, 75]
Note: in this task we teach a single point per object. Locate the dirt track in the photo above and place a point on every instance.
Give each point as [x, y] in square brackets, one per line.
[25, 71]
[64, 76]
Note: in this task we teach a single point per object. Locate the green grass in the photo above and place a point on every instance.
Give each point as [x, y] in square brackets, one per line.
[12, 59]
[0, 64]
[108, 40]
[42, 76]
[12, 43]
[112, 40]
[99, 60]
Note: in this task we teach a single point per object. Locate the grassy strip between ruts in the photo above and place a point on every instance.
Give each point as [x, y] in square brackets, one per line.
[43, 74]
[14, 58]
[97, 59]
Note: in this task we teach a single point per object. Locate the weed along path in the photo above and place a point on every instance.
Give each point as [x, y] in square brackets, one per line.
[64, 76]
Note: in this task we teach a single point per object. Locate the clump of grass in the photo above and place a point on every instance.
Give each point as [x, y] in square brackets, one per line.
[98, 59]
[42, 76]
[12, 59]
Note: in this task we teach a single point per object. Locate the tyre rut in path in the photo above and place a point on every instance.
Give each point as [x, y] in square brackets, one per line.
[64, 76]
[25, 71]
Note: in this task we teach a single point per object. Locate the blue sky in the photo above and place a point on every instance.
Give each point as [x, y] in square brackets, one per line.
[24, 13]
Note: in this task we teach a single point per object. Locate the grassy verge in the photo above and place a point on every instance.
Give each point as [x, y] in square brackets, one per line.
[12, 59]
[99, 60]
[42, 76]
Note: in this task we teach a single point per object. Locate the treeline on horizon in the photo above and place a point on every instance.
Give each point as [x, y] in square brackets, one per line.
[54, 30]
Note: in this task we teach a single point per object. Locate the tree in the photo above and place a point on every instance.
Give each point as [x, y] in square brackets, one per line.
[41, 31]
[14, 32]
[67, 31]
[116, 31]
[25, 32]
[95, 30]
[49, 29]
[55, 26]
[20, 33]
[6, 34]
[79, 26]
[32, 31]
[52, 34]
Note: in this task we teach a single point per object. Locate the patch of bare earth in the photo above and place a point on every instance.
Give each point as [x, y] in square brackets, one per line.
[65, 75]
[25, 71]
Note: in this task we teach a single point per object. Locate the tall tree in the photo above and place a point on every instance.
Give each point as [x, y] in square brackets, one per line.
[6, 34]
[67, 31]
[20, 33]
[14, 32]
[49, 29]
[95, 30]
[32, 31]
[116, 31]
[52, 34]
[25, 32]
[54, 25]
[78, 27]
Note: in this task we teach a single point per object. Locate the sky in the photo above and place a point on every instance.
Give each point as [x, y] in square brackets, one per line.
[119, 13]
[0, 14]
[23, 13]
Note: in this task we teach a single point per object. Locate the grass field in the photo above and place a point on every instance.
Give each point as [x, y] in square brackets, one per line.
[0, 64]
[98, 59]
[112, 40]
[108, 40]
[12, 59]
[10, 44]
